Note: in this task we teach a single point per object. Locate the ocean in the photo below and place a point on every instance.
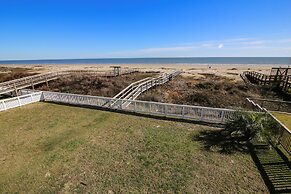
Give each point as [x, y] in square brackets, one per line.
[181, 60]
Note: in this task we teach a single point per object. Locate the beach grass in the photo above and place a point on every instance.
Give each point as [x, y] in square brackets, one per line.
[50, 148]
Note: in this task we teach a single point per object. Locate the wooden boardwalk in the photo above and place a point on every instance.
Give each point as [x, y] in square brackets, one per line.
[279, 77]
[31, 81]
[137, 88]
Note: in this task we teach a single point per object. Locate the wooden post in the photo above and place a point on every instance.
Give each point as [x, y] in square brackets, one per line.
[32, 85]
[202, 114]
[183, 112]
[16, 93]
[222, 116]
[4, 105]
[166, 110]
[46, 81]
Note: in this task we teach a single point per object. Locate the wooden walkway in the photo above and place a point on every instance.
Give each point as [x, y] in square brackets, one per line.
[31, 81]
[280, 81]
[137, 88]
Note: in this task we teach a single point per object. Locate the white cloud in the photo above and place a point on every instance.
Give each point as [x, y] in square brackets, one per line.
[220, 46]
[164, 49]
[240, 47]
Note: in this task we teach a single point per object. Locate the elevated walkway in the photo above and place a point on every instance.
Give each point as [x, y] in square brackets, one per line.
[137, 88]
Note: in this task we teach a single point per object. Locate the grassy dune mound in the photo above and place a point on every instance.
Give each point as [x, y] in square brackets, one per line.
[7, 73]
[210, 90]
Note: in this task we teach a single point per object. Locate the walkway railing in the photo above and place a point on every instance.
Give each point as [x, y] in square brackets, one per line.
[135, 89]
[206, 114]
[20, 101]
[285, 135]
[282, 81]
[30, 81]
[272, 105]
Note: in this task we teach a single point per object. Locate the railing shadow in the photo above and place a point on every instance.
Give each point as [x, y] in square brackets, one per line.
[273, 166]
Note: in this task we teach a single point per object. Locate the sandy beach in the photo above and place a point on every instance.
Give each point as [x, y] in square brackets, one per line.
[228, 70]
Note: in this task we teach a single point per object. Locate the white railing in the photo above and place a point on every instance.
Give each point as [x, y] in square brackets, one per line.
[20, 101]
[206, 114]
[6, 87]
[135, 89]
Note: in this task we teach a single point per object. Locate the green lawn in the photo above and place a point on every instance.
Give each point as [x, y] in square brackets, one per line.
[49, 148]
[284, 118]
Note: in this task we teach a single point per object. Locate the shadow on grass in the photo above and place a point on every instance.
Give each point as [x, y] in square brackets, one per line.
[272, 164]
[221, 141]
[274, 167]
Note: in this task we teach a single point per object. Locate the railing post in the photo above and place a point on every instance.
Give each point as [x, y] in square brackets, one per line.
[4, 105]
[166, 110]
[183, 111]
[15, 89]
[202, 114]
[19, 102]
[222, 116]
[120, 106]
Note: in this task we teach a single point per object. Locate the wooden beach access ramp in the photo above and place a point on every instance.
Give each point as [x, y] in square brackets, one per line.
[13, 86]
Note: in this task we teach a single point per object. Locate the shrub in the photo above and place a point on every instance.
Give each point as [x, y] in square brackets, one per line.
[247, 126]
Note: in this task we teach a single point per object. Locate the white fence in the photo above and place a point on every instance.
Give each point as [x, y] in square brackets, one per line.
[198, 113]
[20, 101]
[206, 114]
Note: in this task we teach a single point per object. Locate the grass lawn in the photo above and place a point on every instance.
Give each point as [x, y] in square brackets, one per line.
[284, 118]
[48, 148]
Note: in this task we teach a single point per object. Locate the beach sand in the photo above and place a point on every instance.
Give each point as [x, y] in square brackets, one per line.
[228, 70]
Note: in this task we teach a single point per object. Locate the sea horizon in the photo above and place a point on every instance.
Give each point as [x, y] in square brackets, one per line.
[157, 60]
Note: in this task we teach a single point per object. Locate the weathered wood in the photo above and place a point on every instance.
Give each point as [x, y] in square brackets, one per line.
[279, 80]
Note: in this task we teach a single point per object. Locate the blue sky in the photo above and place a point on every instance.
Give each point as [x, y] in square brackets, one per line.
[50, 29]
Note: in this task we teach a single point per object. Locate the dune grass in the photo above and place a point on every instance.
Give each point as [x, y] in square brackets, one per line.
[49, 148]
